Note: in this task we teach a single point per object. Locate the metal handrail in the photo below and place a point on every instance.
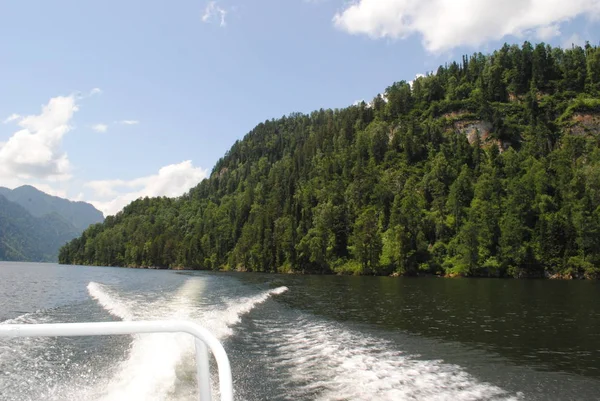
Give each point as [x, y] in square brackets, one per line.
[203, 339]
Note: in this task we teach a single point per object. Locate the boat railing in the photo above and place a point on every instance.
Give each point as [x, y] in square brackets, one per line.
[204, 340]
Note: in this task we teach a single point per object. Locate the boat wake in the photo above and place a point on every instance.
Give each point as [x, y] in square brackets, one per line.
[327, 361]
[111, 302]
[154, 367]
[301, 356]
[160, 366]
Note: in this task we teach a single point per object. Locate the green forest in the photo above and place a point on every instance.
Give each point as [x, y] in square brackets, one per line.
[487, 167]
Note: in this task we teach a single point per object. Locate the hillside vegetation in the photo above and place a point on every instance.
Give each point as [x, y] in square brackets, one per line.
[488, 167]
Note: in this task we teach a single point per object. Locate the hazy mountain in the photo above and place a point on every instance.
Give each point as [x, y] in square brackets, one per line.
[34, 225]
[79, 214]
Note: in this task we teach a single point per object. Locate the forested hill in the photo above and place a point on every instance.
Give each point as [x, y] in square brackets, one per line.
[488, 167]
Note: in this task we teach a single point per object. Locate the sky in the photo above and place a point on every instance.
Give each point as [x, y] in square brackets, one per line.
[107, 101]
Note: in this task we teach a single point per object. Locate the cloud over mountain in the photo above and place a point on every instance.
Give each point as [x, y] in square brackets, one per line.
[445, 24]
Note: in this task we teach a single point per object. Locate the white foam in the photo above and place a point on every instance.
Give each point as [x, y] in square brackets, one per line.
[327, 362]
[109, 301]
[23, 361]
[316, 359]
[278, 291]
[152, 369]
[221, 321]
[149, 372]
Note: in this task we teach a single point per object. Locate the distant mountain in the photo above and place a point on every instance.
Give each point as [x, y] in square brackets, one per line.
[34, 225]
[79, 214]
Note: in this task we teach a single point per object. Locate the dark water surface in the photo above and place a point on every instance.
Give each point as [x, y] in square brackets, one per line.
[324, 338]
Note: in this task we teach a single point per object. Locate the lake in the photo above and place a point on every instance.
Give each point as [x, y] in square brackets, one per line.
[295, 337]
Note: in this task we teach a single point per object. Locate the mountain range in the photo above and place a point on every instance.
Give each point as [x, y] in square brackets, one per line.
[34, 225]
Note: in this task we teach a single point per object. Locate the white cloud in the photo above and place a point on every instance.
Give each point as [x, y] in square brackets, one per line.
[128, 122]
[574, 39]
[172, 180]
[50, 190]
[547, 32]
[11, 118]
[100, 127]
[445, 24]
[416, 77]
[214, 12]
[95, 91]
[35, 152]
[59, 189]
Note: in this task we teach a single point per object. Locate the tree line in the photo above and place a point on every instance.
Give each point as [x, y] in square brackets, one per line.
[488, 167]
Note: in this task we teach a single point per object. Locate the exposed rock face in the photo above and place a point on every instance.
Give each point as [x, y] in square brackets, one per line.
[222, 172]
[465, 124]
[568, 276]
[584, 124]
[472, 128]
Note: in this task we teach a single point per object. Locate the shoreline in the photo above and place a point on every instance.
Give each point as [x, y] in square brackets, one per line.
[553, 277]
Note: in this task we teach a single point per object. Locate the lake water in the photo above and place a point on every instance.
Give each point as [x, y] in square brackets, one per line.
[303, 337]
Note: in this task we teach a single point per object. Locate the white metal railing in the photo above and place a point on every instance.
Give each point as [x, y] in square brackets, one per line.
[203, 339]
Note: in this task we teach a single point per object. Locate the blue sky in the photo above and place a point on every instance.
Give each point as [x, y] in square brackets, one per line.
[143, 97]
